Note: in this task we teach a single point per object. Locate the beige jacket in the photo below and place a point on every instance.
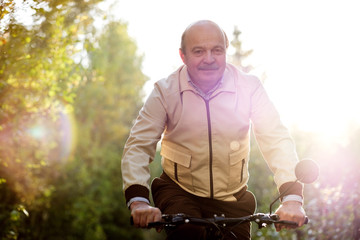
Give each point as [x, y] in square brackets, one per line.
[205, 145]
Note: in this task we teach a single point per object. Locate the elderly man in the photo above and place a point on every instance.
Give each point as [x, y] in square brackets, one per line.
[204, 111]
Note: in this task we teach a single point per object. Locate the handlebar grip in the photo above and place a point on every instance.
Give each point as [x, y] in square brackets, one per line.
[155, 224]
[290, 223]
[294, 223]
[150, 225]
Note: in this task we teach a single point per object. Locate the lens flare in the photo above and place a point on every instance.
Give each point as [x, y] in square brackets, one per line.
[56, 135]
[68, 136]
[37, 132]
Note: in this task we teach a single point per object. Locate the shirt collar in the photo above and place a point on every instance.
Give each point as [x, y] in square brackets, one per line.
[226, 83]
[200, 92]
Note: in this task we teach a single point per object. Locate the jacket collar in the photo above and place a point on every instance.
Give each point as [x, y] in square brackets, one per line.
[228, 84]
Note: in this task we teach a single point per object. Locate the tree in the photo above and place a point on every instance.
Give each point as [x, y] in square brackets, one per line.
[239, 55]
[38, 76]
[105, 108]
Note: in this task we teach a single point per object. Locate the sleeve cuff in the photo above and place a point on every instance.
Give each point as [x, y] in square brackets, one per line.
[137, 191]
[296, 189]
[292, 197]
[137, 199]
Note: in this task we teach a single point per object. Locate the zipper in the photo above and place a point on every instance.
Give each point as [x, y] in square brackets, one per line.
[210, 150]
[176, 172]
[242, 170]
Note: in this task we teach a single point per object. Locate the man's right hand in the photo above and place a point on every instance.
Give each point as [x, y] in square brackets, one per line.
[142, 214]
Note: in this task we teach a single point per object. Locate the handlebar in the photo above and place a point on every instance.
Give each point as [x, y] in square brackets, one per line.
[219, 226]
[262, 220]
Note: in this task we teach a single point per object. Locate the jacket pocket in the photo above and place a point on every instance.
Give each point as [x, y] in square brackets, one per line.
[177, 163]
[237, 169]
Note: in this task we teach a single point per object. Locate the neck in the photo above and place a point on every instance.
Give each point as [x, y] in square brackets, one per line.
[205, 86]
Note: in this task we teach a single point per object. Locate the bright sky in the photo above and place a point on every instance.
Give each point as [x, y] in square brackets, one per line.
[309, 50]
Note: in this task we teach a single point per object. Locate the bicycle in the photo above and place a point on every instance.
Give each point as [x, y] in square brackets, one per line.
[219, 227]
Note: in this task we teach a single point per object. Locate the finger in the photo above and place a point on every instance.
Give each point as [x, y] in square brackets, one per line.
[280, 227]
[137, 218]
[149, 218]
[140, 222]
[135, 221]
[277, 227]
[153, 216]
[300, 222]
[145, 219]
[303, 221]
[158, 215]
[290, 227]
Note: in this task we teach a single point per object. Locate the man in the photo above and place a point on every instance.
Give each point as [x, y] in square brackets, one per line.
[204, 111]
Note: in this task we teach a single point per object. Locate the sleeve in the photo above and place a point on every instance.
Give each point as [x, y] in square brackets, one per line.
[140, 148]
[274, 140]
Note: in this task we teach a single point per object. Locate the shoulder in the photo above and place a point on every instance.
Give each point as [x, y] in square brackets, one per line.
[171, 81]
[242, 79]
[167, 89]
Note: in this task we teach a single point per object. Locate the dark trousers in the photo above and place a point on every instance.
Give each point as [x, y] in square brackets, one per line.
[172, 199]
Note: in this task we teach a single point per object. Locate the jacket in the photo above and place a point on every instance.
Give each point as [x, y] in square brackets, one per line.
[206, 141]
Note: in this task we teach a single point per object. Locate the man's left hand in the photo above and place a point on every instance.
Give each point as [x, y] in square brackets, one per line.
[290, 211]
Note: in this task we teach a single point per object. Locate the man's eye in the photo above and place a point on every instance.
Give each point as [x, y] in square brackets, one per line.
[198, 52]
[218, 51]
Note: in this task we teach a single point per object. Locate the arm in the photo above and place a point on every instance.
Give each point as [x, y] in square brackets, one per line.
[274, 140]
[291, 206]
[139, 152]
[279, 152]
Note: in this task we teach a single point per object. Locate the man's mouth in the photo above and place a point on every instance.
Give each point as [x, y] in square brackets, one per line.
[208, 68]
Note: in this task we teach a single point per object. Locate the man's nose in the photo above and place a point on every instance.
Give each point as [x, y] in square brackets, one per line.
[209, 58]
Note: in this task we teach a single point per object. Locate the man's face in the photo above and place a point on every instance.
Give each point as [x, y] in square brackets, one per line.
[205, 53]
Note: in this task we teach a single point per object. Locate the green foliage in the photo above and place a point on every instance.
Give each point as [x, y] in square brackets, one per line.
[37, 78]
[105, 106]
[115, 81]
[48, 188]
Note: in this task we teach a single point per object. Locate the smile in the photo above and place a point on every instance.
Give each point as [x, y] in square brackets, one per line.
[210, 68]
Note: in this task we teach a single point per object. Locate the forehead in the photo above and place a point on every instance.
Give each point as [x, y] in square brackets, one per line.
[204, 35]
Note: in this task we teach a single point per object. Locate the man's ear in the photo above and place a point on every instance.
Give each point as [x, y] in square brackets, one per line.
[182, 55]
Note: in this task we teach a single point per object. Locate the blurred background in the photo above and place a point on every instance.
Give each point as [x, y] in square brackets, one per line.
[75, 73]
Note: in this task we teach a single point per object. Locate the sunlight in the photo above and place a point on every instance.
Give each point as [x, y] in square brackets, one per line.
[310, 62]
[315, 93]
